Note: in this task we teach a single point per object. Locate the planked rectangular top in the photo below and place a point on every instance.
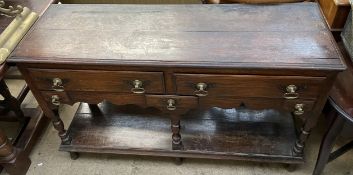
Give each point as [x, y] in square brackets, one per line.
[287, 36]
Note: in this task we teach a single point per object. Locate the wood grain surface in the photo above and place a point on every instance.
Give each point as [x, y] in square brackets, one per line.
[246, 54]
[107, 81]
[248, 85]
[216, 133]
[233, 36]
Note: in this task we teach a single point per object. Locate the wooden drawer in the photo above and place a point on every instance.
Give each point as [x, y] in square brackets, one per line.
[248, 85]
[72, 97]
[179, 102]
[94, 80]
[255, 103]
[55, 99]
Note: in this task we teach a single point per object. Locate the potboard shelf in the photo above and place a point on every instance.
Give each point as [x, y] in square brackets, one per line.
[216, 133]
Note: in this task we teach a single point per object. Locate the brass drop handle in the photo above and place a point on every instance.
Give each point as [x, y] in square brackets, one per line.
[299, 109]
[57, 85]
[171, 104]
[201, 90]
[55, 100]
[138, 87]
[291, 92]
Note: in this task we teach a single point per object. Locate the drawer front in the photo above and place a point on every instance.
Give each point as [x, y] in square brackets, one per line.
[257, 103]
[171, 102]
[94, 80]
[54, 98]
[248, 86]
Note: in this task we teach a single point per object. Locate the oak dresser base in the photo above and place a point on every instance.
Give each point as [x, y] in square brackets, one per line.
[249, 73]
[215, 133]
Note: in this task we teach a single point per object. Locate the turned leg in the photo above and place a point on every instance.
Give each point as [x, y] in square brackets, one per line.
[299, 144]
[11, 102]
[59, 126]
[14, 161]
[74, 155]
[176, 137]
[327, 143]
[303, 135]
[178, 160]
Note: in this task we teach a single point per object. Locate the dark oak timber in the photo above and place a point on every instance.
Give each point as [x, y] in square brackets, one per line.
[204, 81]
[215, 133]
[165, 44]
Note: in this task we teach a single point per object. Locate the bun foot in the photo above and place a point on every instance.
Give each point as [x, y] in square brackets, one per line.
[178, 146]
[74, 155]
[178, 160]
[291, 167]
